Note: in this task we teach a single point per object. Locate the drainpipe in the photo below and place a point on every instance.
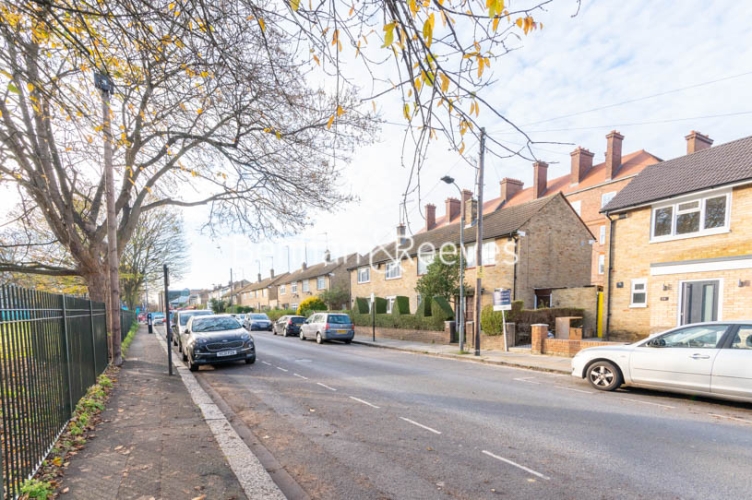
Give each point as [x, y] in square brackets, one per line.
[610, 273]
[514, 280]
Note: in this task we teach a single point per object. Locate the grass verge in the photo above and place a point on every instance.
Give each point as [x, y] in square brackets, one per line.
[46, 482]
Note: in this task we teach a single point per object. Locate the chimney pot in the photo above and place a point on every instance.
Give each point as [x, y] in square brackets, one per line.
[582, 162]
[401, 234]
[304, 266]
[430, 216]
[540, 178]
[697, 142]
[259, 277]
[509, 188]
[470, 212]
[452, 208]
[327, 256]
[271, 273]
[613, 154]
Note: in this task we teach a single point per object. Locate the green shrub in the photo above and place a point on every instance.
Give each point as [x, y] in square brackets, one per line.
[440, 307]
[34, 488]
[362, 306]
[401, 305]
[424, 308]
[310, 304]
[491, 321]
[380, 305]
[275, 314]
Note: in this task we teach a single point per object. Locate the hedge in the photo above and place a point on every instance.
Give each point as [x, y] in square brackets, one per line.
[491, 321]
[275, 314]
[363, 306]
[401, 305]
[310, 304]
[380, 305]
[422, 320]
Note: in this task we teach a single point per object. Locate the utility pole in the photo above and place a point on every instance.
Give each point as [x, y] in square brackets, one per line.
[232, 288]
[479, 242]
[104, 83]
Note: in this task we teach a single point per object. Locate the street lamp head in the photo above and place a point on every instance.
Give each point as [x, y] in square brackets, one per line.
[447, 179]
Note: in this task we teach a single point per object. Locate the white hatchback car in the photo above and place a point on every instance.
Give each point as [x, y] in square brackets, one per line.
[707, 359]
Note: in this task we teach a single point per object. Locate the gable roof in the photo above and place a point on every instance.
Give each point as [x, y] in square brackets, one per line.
[631, 165]
[709, 168]
[320, 269]
[264, 283]
[499, 223]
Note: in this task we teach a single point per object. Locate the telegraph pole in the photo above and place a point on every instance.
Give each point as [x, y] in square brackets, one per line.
[479, 242]
[104, 83]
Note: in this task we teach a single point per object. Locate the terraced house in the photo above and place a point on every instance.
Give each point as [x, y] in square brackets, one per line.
[261, 295]
[313, 280]
[681, 250]
[540, 244]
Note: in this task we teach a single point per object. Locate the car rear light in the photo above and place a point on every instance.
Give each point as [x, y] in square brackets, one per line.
[289, 322]
[326, 326]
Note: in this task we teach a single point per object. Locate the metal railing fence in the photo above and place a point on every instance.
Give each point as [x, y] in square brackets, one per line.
[52, 349]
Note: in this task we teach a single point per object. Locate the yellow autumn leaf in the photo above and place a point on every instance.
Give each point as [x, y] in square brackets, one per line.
[496, 23]
[30, 86]
[330, 122]
[428, 30]
[199, 111]
[295, 5]
[315, 58]
[89, 139]
[278, 134]
[204, 74]
[388, 35]
[171, 6]
[406, 111]
[462, 147]
[340, 111]
[444, 82]
[194, 173]
[262, 24]
[148, 189]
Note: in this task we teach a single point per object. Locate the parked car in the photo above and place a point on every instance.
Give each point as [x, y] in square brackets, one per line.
[216, 339]
[157, 318]
[328, 326]
[240, 318]
[288, 325]
[708, 359]
[258, 321]
[180, 324]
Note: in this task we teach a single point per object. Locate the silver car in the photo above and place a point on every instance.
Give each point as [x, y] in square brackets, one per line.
[708, 359]
[328, 326]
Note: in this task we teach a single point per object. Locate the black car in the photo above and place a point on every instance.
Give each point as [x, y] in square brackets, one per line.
[258, 321]
[288, 326]
[217, 339]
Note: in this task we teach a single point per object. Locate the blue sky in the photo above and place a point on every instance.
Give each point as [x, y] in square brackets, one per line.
[698, 55]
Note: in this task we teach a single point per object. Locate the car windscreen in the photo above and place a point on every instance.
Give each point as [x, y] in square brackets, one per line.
[297, 320]
[215, 324]
[184, 317]
[260, 316]
[339, 319]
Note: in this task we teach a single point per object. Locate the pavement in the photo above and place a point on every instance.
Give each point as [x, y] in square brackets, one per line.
[162, 437]
[517, 357]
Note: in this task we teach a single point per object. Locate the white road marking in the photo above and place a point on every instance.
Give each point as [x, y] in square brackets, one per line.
[324, 385]
[515, 464]
[364, 402]
[266, 363]
[731, 418]
[300, 376]
[526, 380]
[631, 400]
[420, 425]
[575, 390]
[280, 368]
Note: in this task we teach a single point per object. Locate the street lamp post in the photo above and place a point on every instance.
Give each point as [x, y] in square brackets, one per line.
[460, 306]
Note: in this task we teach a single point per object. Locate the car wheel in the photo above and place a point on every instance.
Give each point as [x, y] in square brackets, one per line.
[284, 332]
[604, 376]
[348, 341]
[192, 366]
[301, 336]
[274, 330]
[319, 340]
[250, 361]
[185, 356]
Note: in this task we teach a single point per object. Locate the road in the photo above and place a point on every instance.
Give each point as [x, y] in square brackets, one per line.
[339, 421]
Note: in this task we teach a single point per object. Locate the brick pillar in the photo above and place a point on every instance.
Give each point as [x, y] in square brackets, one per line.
[538, 335]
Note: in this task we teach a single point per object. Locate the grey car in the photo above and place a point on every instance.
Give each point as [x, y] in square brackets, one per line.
[217, 339]
[328, 326]
[288, 325]
[180, 324]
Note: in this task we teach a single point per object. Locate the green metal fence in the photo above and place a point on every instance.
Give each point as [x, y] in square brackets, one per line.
[52, 349]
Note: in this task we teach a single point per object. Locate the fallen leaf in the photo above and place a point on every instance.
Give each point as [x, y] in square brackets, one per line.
[199, 498]
[66, 490]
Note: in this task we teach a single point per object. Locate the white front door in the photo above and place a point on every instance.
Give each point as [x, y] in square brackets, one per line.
[732, 370]
[681, 359]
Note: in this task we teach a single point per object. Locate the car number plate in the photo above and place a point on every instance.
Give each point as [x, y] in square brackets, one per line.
[231, 352]
[341, 331]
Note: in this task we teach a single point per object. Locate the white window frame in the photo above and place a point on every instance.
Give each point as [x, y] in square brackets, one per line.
[632, 291]
[321, 283]
[602, 238]
[425, 259]
[602, 264]
[393, 270]
[390, 303]
[607, 197]
[306, 286]
[489, 254]
[294, 287]
[282, 289]
[364, 274]
[577, 207]
[674, 205]
[263, 292]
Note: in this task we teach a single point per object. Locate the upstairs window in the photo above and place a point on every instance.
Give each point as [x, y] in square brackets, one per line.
[693, 217]
[294, 287]
[281, 289]
[364, 275]
[393, 270]
[577, 207]
[606, 197]
[306, 285]
[425, 259]
[489, 254]
[320, 283]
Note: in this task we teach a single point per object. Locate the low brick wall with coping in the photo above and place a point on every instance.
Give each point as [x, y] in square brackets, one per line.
[567, 348]
[425, 336]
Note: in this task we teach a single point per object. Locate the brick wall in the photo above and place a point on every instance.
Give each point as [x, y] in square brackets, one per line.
[633, 254]
[568, 348]
[583, 298]
[425, 336]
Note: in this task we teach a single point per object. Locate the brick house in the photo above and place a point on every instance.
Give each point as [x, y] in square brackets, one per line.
[262, 295]
[587, 187]
[681, 250]
[538, 245]
[313, 280]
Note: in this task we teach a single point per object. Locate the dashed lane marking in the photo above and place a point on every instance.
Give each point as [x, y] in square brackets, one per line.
[575, 390]
[266, 363]
[326, 386]
[631, 400]
[420, 425]
[515, 464]
[364, 402]
[737, 419]
[526, 381]
[280, 368]
[300, 376]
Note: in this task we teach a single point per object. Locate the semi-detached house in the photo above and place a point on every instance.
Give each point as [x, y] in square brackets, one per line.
[681, 250]
[540, 244]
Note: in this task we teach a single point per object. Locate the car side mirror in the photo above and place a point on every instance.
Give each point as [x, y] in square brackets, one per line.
[657, 343]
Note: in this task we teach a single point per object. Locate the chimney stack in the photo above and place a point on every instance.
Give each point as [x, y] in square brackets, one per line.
[540, 178]
[509, 188]
[613, 154]
[304, 266]
[471, 211]
[582, 162]
[271, 273]
[697, 142]
[259, 277]
[401, 234]
[430, 216]
[452, 208]
[327, 256]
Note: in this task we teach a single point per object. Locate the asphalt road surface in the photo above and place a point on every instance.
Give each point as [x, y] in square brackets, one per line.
[339, 421]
